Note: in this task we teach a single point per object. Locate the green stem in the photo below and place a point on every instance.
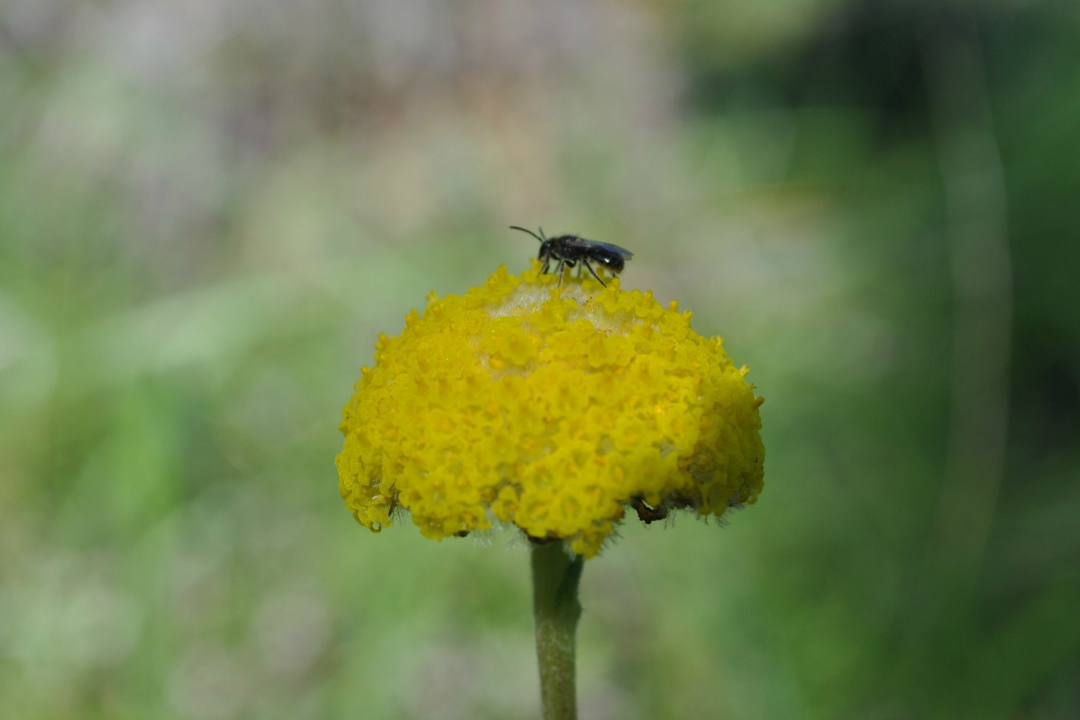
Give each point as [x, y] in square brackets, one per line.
[556, 575]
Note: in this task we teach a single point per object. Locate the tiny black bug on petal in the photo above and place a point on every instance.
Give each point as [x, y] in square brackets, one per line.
[569, 250]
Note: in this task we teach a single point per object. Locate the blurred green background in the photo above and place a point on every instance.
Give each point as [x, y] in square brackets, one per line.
[208, 210]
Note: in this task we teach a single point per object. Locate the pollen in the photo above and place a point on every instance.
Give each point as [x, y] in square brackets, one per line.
[552, 407]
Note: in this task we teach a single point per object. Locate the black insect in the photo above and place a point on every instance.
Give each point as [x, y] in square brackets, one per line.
[569, 250]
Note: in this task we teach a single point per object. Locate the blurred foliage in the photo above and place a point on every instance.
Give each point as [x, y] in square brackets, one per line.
[209, 210]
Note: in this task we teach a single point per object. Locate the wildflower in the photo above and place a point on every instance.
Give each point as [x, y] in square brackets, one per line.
[552, 406]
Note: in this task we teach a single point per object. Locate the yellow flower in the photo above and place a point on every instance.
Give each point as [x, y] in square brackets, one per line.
[549, 407]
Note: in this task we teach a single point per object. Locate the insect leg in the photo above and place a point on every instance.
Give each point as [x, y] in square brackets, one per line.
[571, 263]
[586, 264]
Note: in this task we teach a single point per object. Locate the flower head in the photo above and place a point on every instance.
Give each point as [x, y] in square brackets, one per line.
[552, 407]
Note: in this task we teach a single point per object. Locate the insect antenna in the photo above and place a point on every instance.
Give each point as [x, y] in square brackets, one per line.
[515, 227]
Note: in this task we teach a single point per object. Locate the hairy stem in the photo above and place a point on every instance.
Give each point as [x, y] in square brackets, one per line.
[556, 575]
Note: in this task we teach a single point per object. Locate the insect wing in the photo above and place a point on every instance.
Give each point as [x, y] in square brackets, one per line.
[584, 244]
[616, 249]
